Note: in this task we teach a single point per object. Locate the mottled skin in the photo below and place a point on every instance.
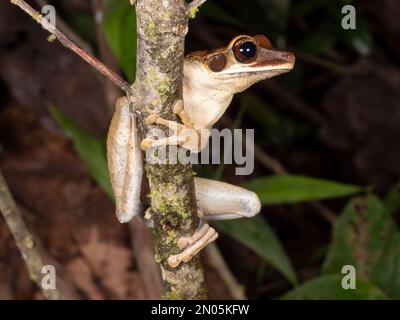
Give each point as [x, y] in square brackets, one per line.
[211, 78]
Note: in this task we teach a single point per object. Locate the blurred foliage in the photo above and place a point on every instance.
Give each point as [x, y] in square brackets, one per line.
[284, 189]
[325, 18]
[329, 288]
[81, 22]
[256, 234]
[392, 200]
[120, 29]
[366, 236]
[90, 149]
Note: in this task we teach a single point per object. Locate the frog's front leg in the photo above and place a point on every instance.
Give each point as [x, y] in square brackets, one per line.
[184, 134]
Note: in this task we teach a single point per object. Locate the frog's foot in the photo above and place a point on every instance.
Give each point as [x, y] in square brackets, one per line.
[193, 245]
[183, 135]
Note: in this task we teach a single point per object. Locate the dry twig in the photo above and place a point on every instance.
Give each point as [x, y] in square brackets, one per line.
[24, 239]
[62, 26]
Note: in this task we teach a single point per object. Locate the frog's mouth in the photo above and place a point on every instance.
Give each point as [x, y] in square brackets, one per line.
[249, 71]
[281, 62]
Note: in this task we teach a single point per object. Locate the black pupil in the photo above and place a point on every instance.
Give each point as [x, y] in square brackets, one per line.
[248, 49]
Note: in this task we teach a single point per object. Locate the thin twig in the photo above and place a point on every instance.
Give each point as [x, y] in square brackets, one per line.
[104, 70]
[24, 239]
[66, 29]
[194, 4]
[267, 161]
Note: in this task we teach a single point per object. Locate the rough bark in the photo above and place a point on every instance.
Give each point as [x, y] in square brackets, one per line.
[162, 26]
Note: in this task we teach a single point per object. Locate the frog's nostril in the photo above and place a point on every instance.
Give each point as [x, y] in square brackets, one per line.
[288, 56]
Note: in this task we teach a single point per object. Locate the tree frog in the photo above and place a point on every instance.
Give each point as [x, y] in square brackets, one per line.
[210, 79]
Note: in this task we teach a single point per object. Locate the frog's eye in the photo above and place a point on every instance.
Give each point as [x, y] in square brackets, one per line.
[244, 50]
[217, 62]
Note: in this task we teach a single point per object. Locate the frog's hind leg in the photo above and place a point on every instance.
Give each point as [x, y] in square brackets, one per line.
[215, 201]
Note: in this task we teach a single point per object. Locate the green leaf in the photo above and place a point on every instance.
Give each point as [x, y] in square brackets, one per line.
[392, 200]
[284, 189]
[256, 234]
[89, 148]
[120, 30]
[329, 288]
[366, 236]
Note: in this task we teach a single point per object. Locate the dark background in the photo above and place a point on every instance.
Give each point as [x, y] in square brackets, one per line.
[335, 116]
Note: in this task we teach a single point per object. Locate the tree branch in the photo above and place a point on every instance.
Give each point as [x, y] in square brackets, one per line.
[24, 239]
[104, 70]
[161, 27]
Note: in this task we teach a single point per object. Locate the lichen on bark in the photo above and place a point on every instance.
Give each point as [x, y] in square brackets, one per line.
[161, 27]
